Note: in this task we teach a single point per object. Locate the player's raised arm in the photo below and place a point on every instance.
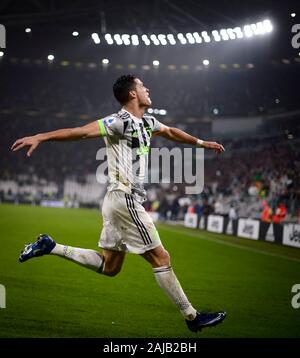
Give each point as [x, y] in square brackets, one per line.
[90, 130]
[177, 135]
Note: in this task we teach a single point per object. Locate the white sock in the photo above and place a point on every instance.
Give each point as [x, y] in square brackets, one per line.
[167, 280]
[85, 257]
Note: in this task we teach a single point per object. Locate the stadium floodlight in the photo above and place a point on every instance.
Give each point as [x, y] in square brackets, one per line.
[181, 38]
[247, 30]
[239, 33]
[205, 36]
[118, 39]
[126, 40]
[146, 40]
[254, 29]
[293, 14]
[154, 39]
[1, 53]
[96, 38]
[75, 33]
[50, 57]
[162, 112]
[216, 35]
[197, 37]
[162, 39]
[155, 63]
[215, 111]
[231, 34]
[105, 61]
[267, 25]
[150, 110]
[28, 30]
[224, 35]
[135, 40]
[260, 28]
[205, 62]
[109, 39]
[171, 39]
[190, 38]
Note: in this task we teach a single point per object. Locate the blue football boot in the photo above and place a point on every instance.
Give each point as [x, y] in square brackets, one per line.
[42, 246]
[204, 320]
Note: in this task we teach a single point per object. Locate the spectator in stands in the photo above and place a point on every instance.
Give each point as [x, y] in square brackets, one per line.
[174, 209]
[232, 213]
[206, 209]
[266, 215]
[280, 213]
[218, 207]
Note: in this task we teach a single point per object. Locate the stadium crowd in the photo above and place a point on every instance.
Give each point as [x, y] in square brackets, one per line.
[252, 172]
[241, 184]
[56, 89]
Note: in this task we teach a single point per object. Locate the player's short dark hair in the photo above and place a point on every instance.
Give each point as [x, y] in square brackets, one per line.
[122, 87]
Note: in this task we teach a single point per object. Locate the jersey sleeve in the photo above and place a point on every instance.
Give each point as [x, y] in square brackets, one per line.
[156, 125]
[110, 126]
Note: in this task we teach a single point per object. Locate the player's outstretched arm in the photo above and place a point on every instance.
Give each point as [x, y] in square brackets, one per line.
[90, 130]
[177, 135]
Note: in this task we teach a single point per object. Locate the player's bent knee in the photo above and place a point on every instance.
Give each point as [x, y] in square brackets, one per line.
[111, 272]
[163, 259]
[157, 257]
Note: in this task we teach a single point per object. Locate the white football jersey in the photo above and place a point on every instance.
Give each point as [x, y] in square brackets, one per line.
[127, 140]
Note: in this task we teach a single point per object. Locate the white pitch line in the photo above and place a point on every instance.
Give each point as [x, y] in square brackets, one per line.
[238, 246]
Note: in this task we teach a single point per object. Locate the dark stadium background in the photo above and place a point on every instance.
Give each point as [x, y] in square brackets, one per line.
[247, 98]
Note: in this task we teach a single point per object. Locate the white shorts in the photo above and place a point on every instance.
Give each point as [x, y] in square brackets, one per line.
[126, 225]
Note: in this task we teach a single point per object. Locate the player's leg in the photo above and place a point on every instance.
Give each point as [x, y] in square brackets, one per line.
[108, 262]
[159, 259]
[45, 245]
[143, 238]
[88, 258]
[113, 261]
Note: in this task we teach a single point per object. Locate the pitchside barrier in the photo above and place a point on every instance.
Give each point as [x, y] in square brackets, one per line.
[283, 234]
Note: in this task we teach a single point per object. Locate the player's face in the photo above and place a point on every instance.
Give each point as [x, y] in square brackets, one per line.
[142, 93]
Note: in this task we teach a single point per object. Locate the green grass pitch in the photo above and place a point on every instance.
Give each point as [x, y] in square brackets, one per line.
[51, 297]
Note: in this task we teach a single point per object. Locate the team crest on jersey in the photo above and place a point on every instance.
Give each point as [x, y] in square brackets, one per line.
[108, 121]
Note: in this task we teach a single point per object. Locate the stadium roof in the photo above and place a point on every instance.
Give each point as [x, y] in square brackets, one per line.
[137, 15]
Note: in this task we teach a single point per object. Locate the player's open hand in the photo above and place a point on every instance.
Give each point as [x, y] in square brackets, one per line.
[218, 148]
[31, 142]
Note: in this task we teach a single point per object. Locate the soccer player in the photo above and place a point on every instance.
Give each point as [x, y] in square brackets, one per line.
[126, 225]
